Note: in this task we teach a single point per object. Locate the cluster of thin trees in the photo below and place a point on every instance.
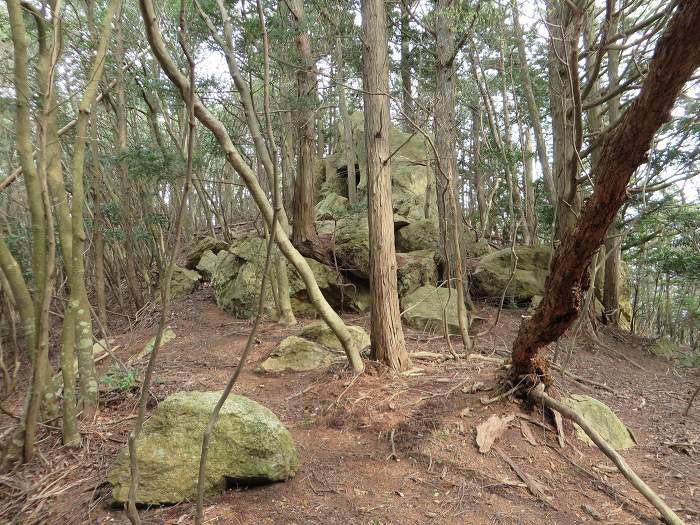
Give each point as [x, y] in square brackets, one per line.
[535, 123]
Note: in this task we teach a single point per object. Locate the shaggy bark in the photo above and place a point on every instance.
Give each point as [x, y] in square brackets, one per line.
[388, 345]
[675, 59]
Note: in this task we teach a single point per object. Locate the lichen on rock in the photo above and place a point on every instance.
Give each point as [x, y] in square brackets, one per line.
[249, 445]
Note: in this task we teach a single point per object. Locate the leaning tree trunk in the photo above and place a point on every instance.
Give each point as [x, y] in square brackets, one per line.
[676, 57]
[249, 177]
[388, 345]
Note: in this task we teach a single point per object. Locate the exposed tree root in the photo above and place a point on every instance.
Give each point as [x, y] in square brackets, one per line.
[538, 395]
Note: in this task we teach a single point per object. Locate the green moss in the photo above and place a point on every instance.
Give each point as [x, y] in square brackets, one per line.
[203, 245]
[183, 282]
[423, 309]
[493, 272]
[320, 333]
[207, 264]
[416, 269]
[295, 354]
[249, 444]
[602, 419]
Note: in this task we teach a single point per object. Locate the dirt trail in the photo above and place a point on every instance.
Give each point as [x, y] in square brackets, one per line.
[344, 429]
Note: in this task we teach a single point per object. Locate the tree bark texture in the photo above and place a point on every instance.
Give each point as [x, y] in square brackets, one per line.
[676, 57]
[386, 333]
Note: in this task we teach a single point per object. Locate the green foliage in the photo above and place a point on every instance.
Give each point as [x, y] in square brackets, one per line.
[153, 165]
[118, 378]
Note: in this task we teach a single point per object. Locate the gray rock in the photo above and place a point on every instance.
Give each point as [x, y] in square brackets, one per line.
[603, 420]
[248, 445]
[423, 309]
[295, 354]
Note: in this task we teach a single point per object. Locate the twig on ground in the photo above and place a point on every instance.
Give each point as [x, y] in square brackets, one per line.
[538, 394]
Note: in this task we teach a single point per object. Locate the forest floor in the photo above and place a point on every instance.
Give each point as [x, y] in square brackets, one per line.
[389, 449]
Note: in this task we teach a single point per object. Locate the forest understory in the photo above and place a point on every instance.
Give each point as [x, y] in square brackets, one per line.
[385, 448]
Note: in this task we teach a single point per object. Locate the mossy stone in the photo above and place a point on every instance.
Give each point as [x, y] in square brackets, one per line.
[295, 354]
[493, 273]
[423, 309]
[603, 420]
[249, 445]
[194, 254]
[320, 333]
[183, 282]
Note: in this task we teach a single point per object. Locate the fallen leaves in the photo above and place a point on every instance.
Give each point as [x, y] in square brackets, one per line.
[490, 430]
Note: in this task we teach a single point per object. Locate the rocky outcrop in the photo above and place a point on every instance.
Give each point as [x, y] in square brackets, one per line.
[238, 272]
[493, 273]
[194, 254]
[207, 264]
[331, 207]
[352, 245]
[416, 269]
[419, 235]
[249, 445]
[183, 282]
[423, 309]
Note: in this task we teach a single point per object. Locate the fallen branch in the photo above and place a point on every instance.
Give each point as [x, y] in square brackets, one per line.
[538, 394]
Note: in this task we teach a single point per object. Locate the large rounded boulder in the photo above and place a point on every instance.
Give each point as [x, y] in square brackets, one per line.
[493, 272]
[424, 309]
[249, 445]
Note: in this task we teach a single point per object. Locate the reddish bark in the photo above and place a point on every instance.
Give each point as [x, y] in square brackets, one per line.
[676, 57]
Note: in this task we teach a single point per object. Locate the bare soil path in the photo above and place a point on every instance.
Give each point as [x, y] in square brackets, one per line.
[385, 449]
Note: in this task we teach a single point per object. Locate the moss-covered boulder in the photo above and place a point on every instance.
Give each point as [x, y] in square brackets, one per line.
[183, 282]
[296, 354]
[409, 171]
[237, 277]
[474, 248]
[356, 297]
[603, 420]
[416, 269]
[239, 297]
[419, 235]
[332, 206]
[207, 264]
[423, 309]
[352, 244]
[493, 272]
[318, 332]
[248, 445]
[194, 254]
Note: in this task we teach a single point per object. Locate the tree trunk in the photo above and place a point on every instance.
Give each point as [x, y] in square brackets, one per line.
[304, 235]
[350, 159]
[532, 108]
[132, 280]
[388, 344]
[675, 59]
[78, 296]
[565, 24]
[613, 243]
[451, 229]
[407, 108]
[476, 168]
